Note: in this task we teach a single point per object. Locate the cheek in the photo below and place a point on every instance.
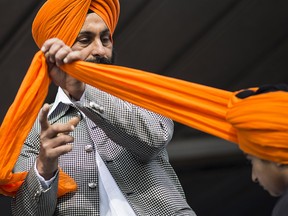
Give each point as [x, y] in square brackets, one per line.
[278, 184]
[109, 51]
[256, 170]
[259, 174]
[269, 179]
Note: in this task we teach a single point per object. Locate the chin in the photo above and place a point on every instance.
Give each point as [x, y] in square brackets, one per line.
[275, 194]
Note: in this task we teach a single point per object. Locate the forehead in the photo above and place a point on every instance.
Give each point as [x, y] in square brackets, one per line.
[94, 21]
[257, 162]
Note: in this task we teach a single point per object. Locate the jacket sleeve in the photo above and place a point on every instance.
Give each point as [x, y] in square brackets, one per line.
[31, 198]
[139, 130]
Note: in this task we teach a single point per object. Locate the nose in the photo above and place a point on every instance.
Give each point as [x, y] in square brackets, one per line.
[97, 48]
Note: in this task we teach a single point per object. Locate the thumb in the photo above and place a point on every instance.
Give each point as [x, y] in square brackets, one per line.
[74, 121]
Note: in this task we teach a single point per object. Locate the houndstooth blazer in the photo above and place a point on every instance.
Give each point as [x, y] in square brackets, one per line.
[130, 140]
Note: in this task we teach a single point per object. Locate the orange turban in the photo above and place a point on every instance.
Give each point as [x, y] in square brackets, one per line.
[64, 19]
[261, 123]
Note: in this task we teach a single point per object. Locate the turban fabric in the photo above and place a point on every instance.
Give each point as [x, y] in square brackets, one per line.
[261, 123]
[198, 106]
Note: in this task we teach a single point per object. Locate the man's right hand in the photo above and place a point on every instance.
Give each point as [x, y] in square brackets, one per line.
[54, 142]
[57, 53]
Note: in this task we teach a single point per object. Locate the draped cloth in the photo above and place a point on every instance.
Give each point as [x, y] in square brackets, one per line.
[261, 123]
[197, 106]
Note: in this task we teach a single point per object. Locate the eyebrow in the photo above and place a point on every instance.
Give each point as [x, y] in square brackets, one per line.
[104, 32]
[85, 33]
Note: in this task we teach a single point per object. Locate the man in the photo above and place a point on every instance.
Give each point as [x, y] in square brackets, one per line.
[114, 150]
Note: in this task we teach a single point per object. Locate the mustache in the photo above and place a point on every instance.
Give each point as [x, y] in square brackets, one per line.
[101, 60]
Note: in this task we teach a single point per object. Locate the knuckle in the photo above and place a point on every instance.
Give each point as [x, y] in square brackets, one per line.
[56, 127]
[64, 139]
[45, 144]
[68, 139]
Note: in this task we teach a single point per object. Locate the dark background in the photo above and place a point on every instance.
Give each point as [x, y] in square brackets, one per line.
[228, 44]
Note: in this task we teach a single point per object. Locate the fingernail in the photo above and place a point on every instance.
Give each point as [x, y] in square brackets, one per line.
[72, 127]
[65, 60]
[43, 49]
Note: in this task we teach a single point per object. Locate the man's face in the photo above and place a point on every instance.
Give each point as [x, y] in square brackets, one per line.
[271, 176]
[95, 40]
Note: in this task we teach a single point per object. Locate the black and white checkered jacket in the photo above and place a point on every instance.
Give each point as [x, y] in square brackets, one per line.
[130, 140]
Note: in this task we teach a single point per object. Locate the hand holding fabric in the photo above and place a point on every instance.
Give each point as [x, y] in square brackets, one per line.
[57, 53]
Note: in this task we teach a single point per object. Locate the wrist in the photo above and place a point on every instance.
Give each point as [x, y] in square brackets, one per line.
[46, 173]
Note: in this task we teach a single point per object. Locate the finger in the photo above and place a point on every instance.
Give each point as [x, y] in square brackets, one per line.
[52, 52]
[51, 47]
[74, 121]
[48, 43]
[61, 55]
[61, 150]
[73, 56]
[57, 141]
[58, 128]
[43, 117]
[55, 152]
[63, 139]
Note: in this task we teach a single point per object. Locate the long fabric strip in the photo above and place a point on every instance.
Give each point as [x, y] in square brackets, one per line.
[194, 105]
[198, 106]
[18, 121]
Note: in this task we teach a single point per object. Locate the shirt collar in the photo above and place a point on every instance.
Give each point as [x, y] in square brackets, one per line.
[61, 97]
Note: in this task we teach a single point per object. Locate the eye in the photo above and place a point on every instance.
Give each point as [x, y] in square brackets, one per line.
[83, 41]
[105, 40]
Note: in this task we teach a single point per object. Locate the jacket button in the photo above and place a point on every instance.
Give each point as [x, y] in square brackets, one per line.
[88, 148]
[37, 195]
[92, 185]
[94, 105]
[101, 109]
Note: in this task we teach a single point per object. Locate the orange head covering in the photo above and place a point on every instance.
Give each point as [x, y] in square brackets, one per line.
[63, 19]
[261, 122]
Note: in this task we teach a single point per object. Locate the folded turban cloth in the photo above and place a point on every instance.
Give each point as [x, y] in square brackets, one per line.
[260, 117]
[64, 19]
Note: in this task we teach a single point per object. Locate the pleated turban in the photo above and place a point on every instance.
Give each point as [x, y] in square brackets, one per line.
[260, 117]
[63, 19]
